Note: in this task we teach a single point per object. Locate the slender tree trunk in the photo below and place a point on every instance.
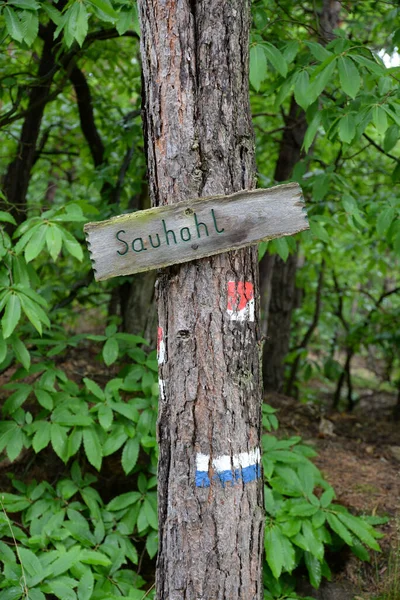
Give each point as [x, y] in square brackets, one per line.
[307, 336]
[17, 177]
[283, 277]
[283, 280]
[199, 143]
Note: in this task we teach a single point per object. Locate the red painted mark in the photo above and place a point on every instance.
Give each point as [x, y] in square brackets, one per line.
[241, 300]
[160, 346]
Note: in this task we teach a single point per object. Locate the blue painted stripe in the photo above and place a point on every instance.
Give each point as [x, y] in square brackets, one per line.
[245, 475]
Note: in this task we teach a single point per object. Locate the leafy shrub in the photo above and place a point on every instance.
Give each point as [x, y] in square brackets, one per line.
[69, 542]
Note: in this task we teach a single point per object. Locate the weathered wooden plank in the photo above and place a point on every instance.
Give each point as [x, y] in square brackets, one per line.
[159, 237]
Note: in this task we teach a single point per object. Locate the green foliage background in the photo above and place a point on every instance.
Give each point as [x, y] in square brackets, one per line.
[70, 535]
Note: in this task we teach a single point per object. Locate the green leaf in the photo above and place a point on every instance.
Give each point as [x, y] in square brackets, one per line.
[347, 128]
[30, 561]
[371, 65]
[319, 231]
[339, 528]
[65, 561]
[380, 119]
[44, 398]
[318, 51]
[123, 501]
[94, 388]
[16, 399]
[350, 79]
[30, 26]
[25, 4]
[21, 353]
[304, 509]
[320, 79]
[42, 436]
[258, 66]
[81, 28]
[151, 514]
[11, 315]
[115, 440]
[36, 243]
[35, 313]
[152, 543]
[13, 24]
[92, 446]
[301, 90]
[327, 497]
[85, 586]
[274, 551]
[94, 557]
[105, 415]
[359, 551]
[72, 246]
[130, 455]
[290, 51]
[106, 7]
[54, 240]
[315, 546]
[281, 246]
[384, 221]
[7, 218]
[125, 20]
[110, 351]
[3, 348]
[59, 440]
[314, 569]
[276, 58]
[52, 13]
[15, 444]
[391, 137]
[312, 131]
[61, 590]
[360, 529]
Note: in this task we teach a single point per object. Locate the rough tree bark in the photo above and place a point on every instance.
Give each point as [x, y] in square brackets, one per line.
[199, 143]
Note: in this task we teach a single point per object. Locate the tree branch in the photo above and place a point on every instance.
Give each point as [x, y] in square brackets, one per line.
[86, 115]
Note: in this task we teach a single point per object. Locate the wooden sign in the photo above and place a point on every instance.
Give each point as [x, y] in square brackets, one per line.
[159, 237]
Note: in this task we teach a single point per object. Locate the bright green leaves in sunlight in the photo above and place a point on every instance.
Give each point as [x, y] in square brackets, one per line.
[32, 304]
[21, 18]
[260, 54]
[38, 232]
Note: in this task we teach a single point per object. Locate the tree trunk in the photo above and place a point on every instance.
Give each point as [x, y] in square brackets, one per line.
[199, 143]
[283, 277]
[17, 177]
[280, 313]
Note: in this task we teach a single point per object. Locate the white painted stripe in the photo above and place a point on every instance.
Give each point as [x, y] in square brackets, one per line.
[161, 352]
[228, 462]
[202, 462]
[243, 314]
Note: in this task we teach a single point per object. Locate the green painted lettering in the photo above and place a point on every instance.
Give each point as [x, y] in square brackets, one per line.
[151, 241]
[215, 223]
[123, 241]
[198, 225]
[141, 245]
[168, 232]
[188, 235]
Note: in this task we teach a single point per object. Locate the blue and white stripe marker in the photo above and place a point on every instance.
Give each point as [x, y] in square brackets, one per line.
[239, 468]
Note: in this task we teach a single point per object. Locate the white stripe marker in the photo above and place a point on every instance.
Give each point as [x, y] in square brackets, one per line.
[243, 467]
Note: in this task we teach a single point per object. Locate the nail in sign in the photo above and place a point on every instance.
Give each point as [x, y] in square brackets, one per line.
[167, 235]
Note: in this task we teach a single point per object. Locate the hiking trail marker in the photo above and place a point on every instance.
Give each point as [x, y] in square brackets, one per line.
[168, 235]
